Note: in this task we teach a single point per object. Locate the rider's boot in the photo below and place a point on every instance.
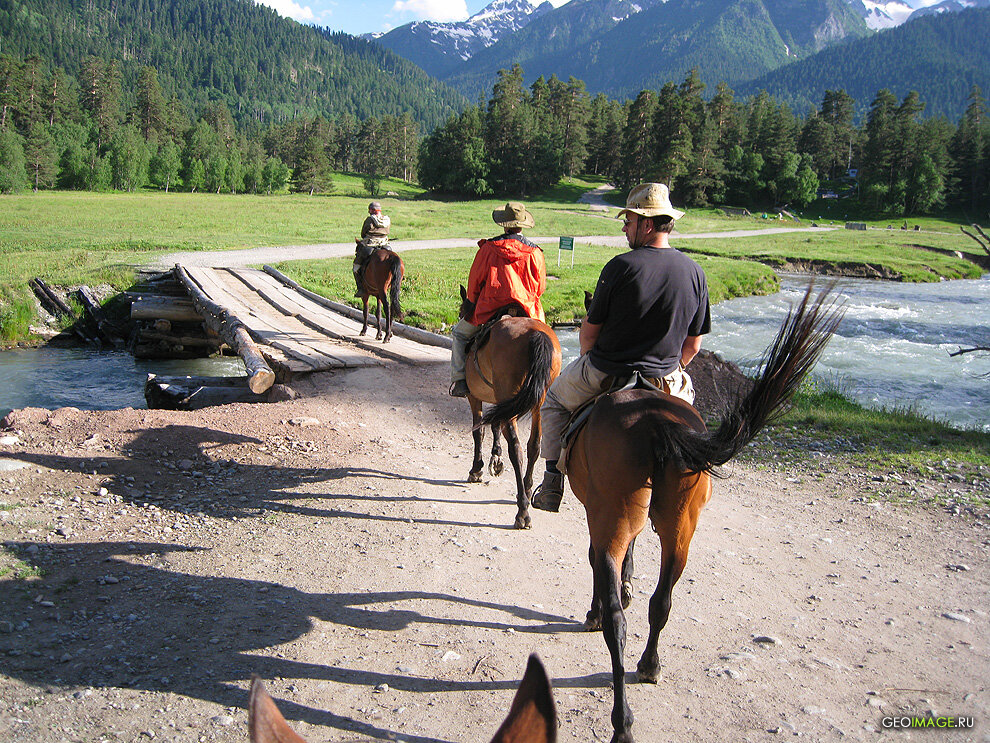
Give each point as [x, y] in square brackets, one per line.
[547, 496]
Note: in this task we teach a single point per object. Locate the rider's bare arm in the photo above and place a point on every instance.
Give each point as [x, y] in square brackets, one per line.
[692, 344]
[588, 335]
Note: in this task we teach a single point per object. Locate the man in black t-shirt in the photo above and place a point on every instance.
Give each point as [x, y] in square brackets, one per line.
[648, 314]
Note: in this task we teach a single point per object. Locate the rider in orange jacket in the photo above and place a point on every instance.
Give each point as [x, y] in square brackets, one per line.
[508, 269]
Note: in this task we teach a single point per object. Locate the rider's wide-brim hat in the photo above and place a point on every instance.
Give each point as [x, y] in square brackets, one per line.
[513, 215]
[651, 200]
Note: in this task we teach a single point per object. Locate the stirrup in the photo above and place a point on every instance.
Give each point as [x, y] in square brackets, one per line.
[459, 388]
[547, 497]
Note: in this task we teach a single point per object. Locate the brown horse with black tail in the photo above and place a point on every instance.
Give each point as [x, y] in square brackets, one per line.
[511, 364]
[382, 279]
[646, 455]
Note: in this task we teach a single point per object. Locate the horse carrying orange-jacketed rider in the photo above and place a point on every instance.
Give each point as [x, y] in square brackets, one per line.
[506, 269]
[648, 314]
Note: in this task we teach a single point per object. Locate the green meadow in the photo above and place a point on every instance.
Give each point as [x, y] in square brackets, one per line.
[72, 238]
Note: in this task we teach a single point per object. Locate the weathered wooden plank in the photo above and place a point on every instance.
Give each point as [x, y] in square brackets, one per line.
[233, 331]
[330, 322]
[417, 334]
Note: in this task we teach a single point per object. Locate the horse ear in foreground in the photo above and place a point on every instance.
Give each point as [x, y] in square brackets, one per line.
[510, 365]
[532, 717]
[382, 280]
[644, 454]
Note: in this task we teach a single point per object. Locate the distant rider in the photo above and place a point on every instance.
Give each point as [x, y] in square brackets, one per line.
[374, 234]
[507, 269]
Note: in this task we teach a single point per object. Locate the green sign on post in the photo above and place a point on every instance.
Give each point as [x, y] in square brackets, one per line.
[566, 243]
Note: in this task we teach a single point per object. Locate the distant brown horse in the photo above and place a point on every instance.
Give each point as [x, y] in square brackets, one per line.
[382, 279]
[532, 717]
[511, 365]
[644, 454]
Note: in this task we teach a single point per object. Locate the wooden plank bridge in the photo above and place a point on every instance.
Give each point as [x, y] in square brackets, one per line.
[297, 331]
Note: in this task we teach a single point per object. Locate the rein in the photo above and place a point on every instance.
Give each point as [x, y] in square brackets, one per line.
[481, 374]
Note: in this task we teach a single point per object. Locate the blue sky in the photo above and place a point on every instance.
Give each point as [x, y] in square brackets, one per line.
[367, 16]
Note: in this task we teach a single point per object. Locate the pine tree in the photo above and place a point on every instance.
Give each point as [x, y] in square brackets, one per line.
[11, 84]
[152, 111]
[971, 152]
[637, 152]
[313, 170]
[509, 126]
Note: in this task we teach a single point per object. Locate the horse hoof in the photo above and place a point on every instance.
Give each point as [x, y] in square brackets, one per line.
[627, 593]
[592, 624]
[496, 467]
[625, 737]
[646, 674]
[474, 476]
[524, 522]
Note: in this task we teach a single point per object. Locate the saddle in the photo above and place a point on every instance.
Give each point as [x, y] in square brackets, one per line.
[610, 385]
[481, 337]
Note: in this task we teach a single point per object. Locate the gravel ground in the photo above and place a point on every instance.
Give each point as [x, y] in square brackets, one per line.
[330, 543]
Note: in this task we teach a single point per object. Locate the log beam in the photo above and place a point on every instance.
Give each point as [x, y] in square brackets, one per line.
[232, 331]
[164, 308]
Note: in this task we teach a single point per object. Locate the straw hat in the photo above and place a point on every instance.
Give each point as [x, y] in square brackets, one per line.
[514, 215]
[651, 200]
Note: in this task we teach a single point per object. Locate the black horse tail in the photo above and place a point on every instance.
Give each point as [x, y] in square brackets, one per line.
[533, 388]
[787, 361]
[395, 268]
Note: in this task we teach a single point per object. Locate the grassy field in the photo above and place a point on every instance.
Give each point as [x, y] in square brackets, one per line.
[71, 238]
[431, 296]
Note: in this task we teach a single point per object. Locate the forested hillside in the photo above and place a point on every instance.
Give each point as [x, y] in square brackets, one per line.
[942, 57]
[726, 40]
[753, 152]
[262, 66]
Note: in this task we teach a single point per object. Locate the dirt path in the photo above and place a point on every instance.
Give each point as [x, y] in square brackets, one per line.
[331, 545]
[276, 254]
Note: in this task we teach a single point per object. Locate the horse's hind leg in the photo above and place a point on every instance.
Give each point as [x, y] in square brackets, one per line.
[388, 316]
[532, 449]
[627, 576]
[495, 464]
[523, 520]
[477, 433]
[378, 318]
[593, 621]
[364, 328]
[614, 629]
[675, 525]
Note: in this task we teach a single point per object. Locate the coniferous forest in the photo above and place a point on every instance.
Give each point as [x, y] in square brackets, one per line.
[753, 152]
[85, 109]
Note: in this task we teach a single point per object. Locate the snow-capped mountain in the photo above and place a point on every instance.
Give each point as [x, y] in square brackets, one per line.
[949, 6]
[889, 13]
[438, 47]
